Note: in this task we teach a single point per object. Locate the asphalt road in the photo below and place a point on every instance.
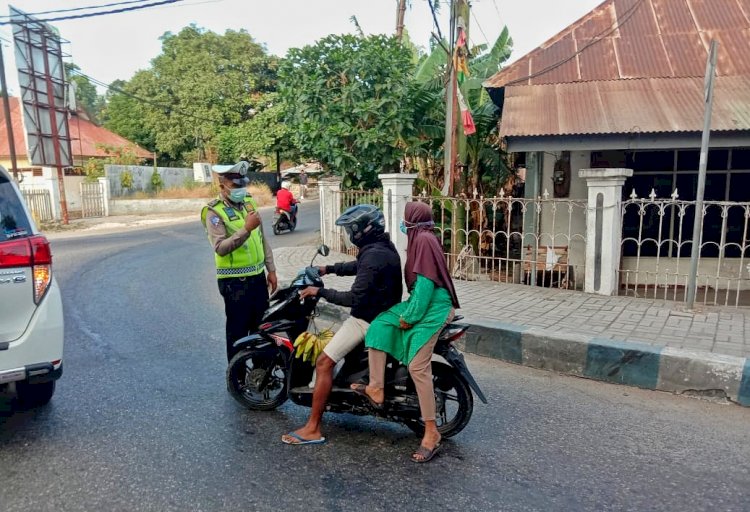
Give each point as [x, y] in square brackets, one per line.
[142, 421]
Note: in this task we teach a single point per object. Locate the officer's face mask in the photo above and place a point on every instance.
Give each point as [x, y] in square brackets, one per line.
[237, 195]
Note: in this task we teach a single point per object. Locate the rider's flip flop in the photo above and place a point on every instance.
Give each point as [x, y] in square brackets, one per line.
[299, 440]
[361, 390]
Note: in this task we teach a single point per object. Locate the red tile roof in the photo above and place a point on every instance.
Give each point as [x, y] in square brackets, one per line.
[85, 136]
[646, 105]
[639, 39]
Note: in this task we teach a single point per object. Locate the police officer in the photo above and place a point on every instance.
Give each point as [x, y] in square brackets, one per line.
[244, 261]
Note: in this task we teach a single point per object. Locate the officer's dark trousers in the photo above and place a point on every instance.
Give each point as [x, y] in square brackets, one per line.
[245, 300]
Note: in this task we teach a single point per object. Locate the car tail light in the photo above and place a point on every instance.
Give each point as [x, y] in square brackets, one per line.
[31, 252]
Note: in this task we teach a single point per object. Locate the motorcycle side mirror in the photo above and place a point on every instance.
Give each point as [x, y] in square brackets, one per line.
[323, 250]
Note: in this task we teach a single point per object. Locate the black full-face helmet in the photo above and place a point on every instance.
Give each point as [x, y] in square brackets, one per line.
[362, 223]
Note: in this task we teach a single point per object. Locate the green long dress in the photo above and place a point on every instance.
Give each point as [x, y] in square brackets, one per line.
[426, 310]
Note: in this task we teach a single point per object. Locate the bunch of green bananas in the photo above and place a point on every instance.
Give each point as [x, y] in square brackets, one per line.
[309, 346]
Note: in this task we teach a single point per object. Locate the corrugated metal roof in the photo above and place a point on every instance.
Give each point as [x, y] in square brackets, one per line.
[649, 105]
[639, 39]
[85, 136]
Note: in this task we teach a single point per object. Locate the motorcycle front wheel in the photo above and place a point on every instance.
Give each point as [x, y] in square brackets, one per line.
[454, 402]
[258, 380]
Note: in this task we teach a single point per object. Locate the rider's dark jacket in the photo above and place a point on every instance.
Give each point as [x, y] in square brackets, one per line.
[377, 286]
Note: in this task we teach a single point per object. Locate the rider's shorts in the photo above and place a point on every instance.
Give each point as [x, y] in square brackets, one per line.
[351, 334]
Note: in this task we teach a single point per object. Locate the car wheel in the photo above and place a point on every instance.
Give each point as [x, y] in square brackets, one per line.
[34, 395]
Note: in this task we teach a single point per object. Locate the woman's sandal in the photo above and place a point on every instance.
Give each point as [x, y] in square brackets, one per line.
[361, 390]
[425, 453]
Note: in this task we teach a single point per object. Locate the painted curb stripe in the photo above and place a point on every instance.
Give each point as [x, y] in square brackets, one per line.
[622, 362]
[743, 397]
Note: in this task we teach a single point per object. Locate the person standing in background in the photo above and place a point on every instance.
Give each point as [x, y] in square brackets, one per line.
[302, 183]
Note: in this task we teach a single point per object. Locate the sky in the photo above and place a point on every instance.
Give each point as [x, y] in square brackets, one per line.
[115, 46]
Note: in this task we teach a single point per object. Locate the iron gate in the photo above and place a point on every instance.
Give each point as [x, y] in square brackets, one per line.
[40, 204]
[92, 199]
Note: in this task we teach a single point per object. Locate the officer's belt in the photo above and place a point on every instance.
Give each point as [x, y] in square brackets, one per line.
[240, 270]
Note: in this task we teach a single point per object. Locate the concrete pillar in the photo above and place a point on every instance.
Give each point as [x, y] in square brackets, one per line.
[603, 228]
[49, 177]
[330, 209]
[397, 191]
[104, 184]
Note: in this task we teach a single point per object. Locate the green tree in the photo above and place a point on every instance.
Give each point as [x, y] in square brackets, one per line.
[347, 101]
[481, 151]
[261, 135]
[125, 114]
[199, 84]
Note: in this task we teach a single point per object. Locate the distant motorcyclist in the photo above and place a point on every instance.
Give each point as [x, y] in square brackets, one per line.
[285, 199]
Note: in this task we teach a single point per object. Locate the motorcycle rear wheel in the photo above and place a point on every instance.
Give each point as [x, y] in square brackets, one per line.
[453, 400]
[257, 381]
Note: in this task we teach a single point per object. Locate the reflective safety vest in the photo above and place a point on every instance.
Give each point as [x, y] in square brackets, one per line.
[247, 259]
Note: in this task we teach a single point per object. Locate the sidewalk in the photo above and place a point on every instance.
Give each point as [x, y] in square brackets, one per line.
[651, 344]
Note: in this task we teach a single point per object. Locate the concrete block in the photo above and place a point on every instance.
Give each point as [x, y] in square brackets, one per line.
[622, 362]
[495, 339]
[551, 350]
[693, 370]
[744, 393]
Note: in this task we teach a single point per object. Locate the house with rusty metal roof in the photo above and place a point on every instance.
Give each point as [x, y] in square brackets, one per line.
[623, 87]
[88, 140]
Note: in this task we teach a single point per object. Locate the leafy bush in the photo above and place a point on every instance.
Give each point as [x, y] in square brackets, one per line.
[126, 180]
[156, 182]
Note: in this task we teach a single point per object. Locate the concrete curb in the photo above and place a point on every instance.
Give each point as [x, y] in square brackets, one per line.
[630, 363]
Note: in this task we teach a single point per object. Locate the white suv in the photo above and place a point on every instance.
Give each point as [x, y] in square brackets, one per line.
[31, 313]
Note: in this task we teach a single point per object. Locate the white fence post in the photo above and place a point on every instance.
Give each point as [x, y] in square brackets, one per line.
[330, 209]
[104, 184]
[397, 191]
[603, 228]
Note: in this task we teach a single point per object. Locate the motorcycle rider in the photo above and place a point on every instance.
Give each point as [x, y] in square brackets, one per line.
[376, 288]
[285, 200]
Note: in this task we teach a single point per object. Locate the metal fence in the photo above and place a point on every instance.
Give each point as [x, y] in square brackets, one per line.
[657, 242]
[39, 202]
[531, 241]
[347, 199]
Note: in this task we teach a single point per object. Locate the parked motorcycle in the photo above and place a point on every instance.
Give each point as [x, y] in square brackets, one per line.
[284, 220]
[264, 373]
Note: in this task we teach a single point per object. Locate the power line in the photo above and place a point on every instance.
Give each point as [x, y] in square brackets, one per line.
[89, 15]
[163, 106]
[113, 4]
[487, 39]
[434, 19]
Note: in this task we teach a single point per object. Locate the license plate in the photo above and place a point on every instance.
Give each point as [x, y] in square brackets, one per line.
[12, 375]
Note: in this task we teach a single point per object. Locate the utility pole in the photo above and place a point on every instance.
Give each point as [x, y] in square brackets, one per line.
[8, 120]
[708, 98]
[449, 153]
[400, 19]
[453, 139]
